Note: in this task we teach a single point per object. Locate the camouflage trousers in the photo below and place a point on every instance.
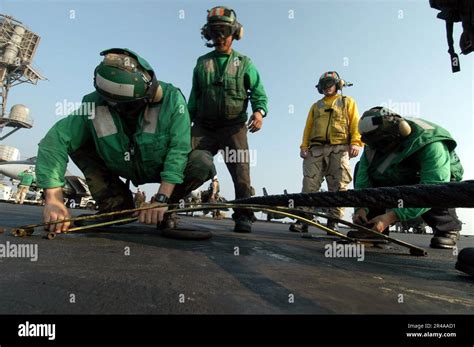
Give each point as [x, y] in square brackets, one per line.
[112, 194]
[330, 162]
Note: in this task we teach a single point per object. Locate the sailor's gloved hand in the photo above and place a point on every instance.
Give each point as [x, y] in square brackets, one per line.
[55, 211]
[304, 153]
[360, 217]
[153, 215]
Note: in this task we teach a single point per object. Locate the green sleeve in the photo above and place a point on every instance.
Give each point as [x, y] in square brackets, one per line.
[362, 177]
[192, 102]
[180, 142]
[253, 82]
[63, 138]
[435, 168]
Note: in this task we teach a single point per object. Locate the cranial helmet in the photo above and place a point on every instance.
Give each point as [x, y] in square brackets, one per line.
[383, 129]
[222, 22]
[125, 77]
[328, 79]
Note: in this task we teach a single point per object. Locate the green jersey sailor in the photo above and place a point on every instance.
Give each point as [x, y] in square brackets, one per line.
[405, 151]
[139, 130]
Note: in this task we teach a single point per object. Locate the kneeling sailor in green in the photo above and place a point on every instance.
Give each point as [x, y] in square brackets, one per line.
[404, 151]
[132, 126]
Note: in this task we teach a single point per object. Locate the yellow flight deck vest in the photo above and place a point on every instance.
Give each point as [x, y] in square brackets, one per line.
[330, 123]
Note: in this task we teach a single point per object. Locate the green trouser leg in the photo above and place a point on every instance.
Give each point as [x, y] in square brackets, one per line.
[199, 169]
[232, 141]
[111, 193]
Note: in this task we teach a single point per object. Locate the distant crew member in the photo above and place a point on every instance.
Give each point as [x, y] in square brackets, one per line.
[214, 189]
[27, 178]
[330, 139]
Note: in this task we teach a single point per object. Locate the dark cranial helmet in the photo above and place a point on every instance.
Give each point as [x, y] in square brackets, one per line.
[222, 22]
[330, 78]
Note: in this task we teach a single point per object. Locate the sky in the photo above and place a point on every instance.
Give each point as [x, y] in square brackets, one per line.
[394, 52]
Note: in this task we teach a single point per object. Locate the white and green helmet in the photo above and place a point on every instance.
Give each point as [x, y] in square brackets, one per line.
[124, 76]
[382, 128]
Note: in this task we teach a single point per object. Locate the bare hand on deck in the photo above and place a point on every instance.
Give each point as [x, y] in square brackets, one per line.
[55, 211]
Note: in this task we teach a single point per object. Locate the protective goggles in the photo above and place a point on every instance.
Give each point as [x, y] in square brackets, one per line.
[125, 63]
[220, 31]
[327, 83]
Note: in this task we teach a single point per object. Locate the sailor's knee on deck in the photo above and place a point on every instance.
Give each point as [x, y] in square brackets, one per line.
[200, 166]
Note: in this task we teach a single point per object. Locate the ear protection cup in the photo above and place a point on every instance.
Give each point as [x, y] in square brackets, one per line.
[404, 128]
[239, 31]
[397, 122]
[205, 32]
[238, 28]
[340, 84]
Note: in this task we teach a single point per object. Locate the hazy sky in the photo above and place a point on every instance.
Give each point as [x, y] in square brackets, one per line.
[395, 53]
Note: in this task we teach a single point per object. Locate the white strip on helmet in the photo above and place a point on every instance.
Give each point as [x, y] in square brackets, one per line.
[114, 88]
[366, 125]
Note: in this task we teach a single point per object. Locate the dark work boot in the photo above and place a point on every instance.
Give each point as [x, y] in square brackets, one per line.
[444, 240]
[465, 261]
[243, 224]
[299, 227]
